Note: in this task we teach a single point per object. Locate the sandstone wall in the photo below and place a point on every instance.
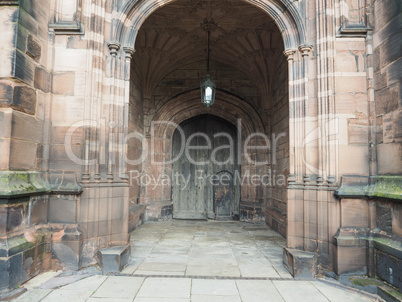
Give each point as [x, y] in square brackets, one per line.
[387, 68]
[279, 125]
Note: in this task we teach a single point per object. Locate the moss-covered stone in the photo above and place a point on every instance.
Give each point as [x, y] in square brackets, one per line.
[365, 281]
[386, 186]
[15, 184]
[18, 183]
[381, 186]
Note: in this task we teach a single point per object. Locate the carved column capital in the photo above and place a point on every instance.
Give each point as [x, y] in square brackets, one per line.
[289, 53]
[113, 48]
[129, 51]
[305, 49]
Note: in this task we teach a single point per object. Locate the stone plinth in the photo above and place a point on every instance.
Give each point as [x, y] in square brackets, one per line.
[299, 263]
[114, 259]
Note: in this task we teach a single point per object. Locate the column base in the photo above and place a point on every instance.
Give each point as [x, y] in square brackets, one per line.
[114, 259]
[299, 263]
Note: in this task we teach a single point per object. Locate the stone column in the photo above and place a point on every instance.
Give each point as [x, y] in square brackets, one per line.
[295, 229]
[113, 48]
[128, 51]
[289, 53]
[310, 142]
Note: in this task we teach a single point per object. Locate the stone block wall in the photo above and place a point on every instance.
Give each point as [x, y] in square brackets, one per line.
[387, 68]
[24, 85]
[279, 124]
[136, 128]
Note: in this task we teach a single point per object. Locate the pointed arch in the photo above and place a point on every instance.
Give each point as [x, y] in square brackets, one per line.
[283, 12]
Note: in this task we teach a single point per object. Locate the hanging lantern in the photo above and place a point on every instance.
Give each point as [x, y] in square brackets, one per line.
[208, 89]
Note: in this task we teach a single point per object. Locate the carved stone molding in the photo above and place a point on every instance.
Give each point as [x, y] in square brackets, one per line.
[113, 48]
[305, 49]
[289, 53]
[353, 19]
[129, 52]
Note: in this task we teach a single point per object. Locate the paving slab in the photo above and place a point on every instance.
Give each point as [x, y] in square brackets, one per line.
[40, 279]
[165, 288]
[258, 291]
[110, 300]
[300, 291]
[132, 265]
[64, 295]
[33, 295]
[209, 298]
[158, 273]
[222, 271]
[338, 294]
[170, 267]
[262, 271]
[119, 287]
[139, 299]
[89, 283]
[214, 287]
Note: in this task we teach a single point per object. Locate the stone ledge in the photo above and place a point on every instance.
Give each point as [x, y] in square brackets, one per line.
[300, 264]
[353, 31]
[67, 28]
[114, 259]
[15, 184]
[380, 186]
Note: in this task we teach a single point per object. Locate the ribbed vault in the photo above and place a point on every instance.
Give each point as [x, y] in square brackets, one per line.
[246, 39]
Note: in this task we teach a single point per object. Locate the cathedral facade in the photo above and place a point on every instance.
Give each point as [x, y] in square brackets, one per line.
[102, 127]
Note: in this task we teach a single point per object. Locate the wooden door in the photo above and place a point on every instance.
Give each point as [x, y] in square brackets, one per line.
[223, 195]
[193, 171]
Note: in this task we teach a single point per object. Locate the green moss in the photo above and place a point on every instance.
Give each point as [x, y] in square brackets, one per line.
[395, 294]
[21, 182]
[388, 242]
[387, 186]
[365, 282]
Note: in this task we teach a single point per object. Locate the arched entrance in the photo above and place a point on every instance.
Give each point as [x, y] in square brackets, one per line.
[166, 52]
[203, 171]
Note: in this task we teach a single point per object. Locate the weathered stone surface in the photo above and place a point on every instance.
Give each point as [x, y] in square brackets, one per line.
[63, 83]
[299, 263]
[67, 247]
[42, 79]
[388, 261]
[136, 216]
[6, 94]
[24, 99]
[113, 260]
[33, 49]
[336, 105]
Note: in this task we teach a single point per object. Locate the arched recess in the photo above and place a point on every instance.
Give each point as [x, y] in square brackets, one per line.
[283, 12]
[188, 105]
[126, 24]
[184, 107]
[286, 16]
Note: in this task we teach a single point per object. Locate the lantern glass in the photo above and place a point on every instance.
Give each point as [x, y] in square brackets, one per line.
[208, 90]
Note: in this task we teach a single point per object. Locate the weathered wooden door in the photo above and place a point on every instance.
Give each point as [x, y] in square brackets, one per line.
[210, 146]
[223, 195]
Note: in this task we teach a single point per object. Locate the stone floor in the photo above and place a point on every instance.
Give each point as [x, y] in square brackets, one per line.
[202, 248]
[192, 261]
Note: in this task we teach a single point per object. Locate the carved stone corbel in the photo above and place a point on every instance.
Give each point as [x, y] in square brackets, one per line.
[113, 48]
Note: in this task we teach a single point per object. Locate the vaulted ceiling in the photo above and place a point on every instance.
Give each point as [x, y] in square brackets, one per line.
[245, 38]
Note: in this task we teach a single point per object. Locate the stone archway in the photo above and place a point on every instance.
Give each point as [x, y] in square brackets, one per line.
[187, 106]
[301, 177]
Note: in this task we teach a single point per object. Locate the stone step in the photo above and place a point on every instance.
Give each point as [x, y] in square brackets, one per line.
[114, 259]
